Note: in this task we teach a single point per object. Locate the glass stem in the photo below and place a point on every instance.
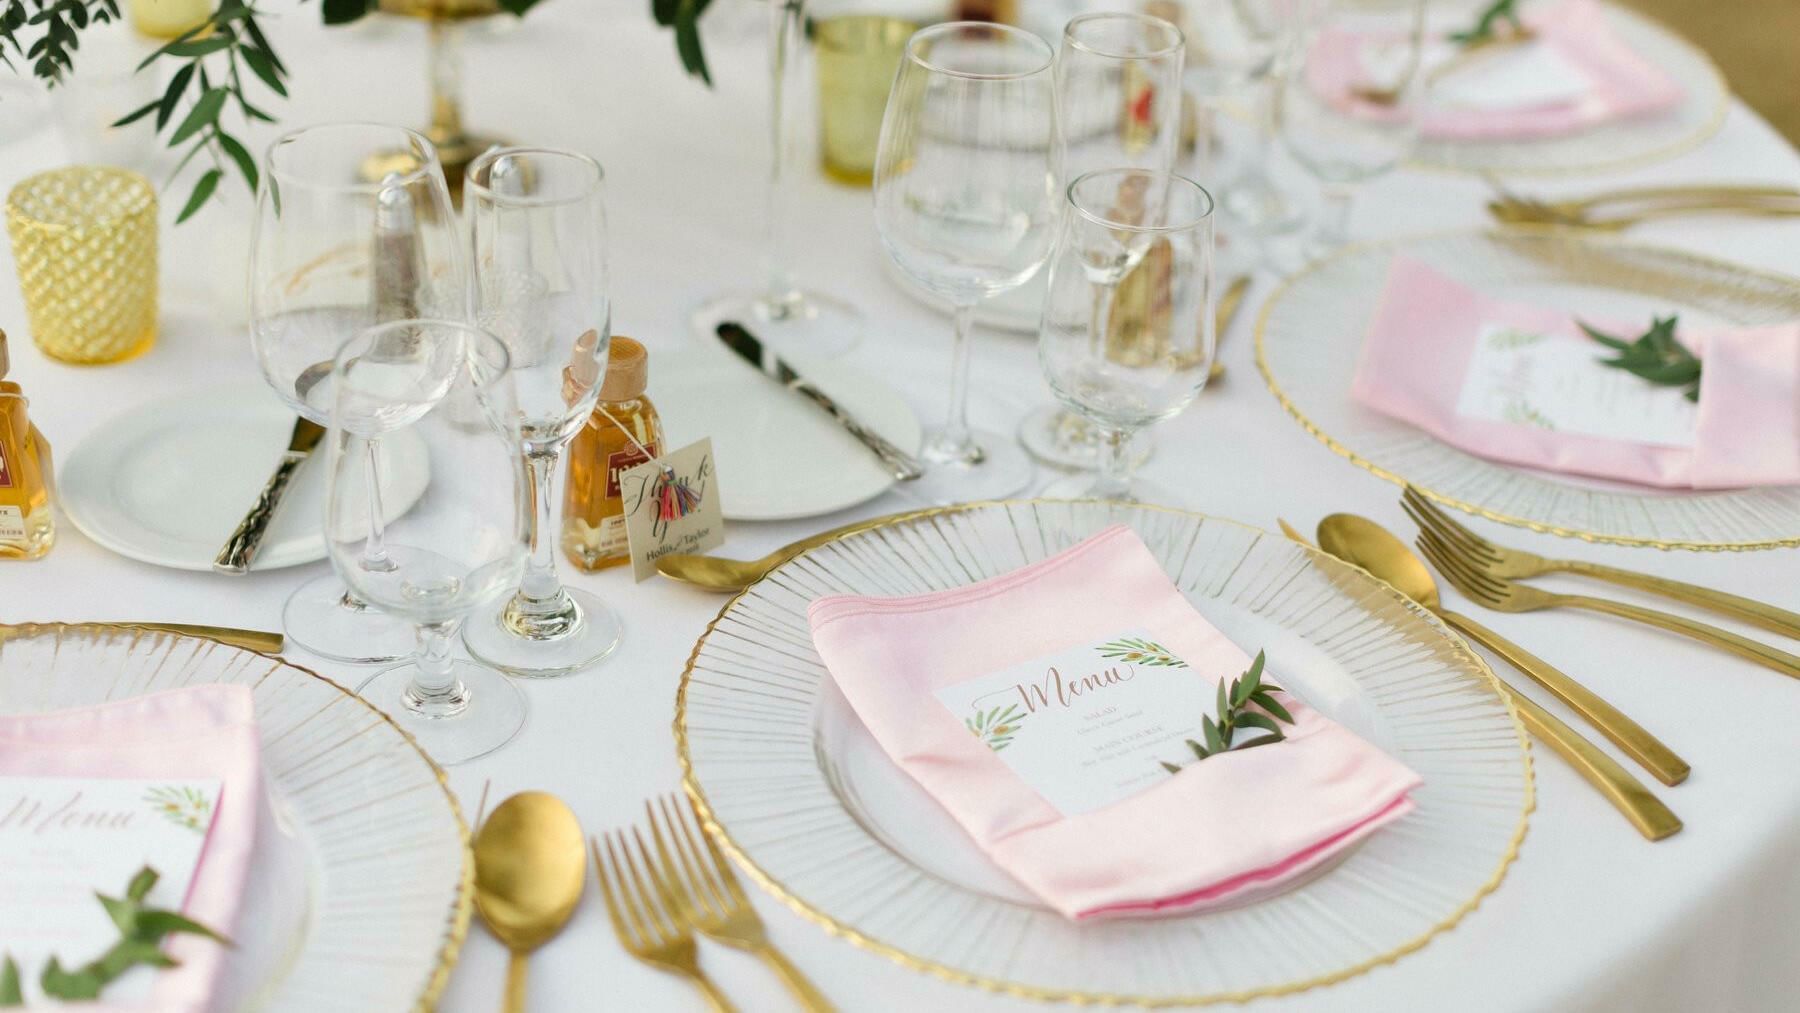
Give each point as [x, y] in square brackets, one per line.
[1114, 478]
[374, 553]
[1334, 219]
[785, 23]
[445, 65]
[540, 586]
[954, 442]
[435, 691]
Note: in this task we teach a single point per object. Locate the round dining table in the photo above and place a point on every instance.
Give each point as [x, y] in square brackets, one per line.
[1590, 916]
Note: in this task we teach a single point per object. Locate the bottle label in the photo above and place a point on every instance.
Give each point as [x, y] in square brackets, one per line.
[6, 479]
[12, 524]
[623, 461]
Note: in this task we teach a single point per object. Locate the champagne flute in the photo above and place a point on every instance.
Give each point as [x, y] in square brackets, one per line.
[791, 317]
[1127, 335]
[1118, 98]
[1349, 109]
[966, 201]
[537, 223]
[438, 398]
[332, 253]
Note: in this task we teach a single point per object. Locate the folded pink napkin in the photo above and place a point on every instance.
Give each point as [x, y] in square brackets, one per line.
[1423, 341]
[1620, 83]
[203, 732]
[1233, 826]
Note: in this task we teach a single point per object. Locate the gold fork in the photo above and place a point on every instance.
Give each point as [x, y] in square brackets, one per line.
[645, 915]
[1655, 201]
[1516, 564]
[712, 898]
[1503, 595]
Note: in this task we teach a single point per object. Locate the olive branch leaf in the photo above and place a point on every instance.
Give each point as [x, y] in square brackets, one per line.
[1233, 713]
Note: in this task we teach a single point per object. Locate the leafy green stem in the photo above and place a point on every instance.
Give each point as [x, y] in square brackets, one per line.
[1234, 713]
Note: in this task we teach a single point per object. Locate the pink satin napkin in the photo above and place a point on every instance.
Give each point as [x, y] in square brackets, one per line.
[1620, 83]
[1234, 826]
[202, 732]
[1746, 428]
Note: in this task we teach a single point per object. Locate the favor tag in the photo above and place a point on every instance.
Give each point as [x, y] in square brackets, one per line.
[671, 506]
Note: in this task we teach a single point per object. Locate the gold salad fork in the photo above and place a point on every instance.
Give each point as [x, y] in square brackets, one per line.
[646, 915]
[1516, 564]
[1503, 595]
[711, 897]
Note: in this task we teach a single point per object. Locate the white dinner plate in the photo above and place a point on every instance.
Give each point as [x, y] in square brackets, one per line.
[779, 456]
[167, 482]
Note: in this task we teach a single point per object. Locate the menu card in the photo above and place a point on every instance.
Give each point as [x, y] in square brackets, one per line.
[1550, 382]
[1513, 76]
[64, 839]
[1088, 726]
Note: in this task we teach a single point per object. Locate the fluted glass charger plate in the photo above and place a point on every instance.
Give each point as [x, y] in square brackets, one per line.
[800, 794]
[1622, 143]
[1312, 330]
[374, 829]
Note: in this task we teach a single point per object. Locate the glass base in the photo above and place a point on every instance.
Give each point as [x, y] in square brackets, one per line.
[997, 469]
[1058, 436]
[558, 644]
[1135, 491]
[317, 618]
[808, 324]
[1254, 201]
[481, 713]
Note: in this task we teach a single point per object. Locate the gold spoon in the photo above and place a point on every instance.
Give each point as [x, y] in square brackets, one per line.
[530, 868]
[733, 575]
[1364, 543]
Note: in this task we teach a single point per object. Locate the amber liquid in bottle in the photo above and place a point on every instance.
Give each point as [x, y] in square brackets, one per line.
[593, 527]
[26, 526]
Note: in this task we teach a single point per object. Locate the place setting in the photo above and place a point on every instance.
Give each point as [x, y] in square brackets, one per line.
[518, 632]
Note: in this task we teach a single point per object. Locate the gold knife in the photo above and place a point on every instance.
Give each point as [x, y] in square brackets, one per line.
[235, 556]
[260, 641]
[1222, 317]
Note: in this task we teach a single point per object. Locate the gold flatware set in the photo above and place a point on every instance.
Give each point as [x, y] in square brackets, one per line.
[1617, 210]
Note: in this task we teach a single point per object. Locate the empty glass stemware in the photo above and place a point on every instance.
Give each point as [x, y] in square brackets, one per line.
[1127, 336]
[1118, 98]
[966, 201]
[332, 254]
[537, 223]
[438, 397]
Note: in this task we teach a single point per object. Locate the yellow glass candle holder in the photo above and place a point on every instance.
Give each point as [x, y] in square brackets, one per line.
[84, 240]
[857, 55]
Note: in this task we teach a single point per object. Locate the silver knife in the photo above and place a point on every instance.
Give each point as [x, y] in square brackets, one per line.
[241, 547]
[902, 465]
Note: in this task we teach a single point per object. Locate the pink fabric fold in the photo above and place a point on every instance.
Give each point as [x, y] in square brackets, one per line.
[1423, 335]
[202, 732]
[1623, 83]
[1237, 825]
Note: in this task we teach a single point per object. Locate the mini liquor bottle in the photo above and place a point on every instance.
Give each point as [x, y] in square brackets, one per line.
[26, 525]
[622, 433]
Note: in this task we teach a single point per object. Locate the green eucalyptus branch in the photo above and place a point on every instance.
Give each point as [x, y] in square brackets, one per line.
[58, 22]
[1233, 714]
[1655, 356]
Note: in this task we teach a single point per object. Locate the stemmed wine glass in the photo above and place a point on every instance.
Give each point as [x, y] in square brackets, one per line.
[1349, 107]
[792, 318]
[1118, 96]
[537, 225]
[1127, 334]
[967, 201]
[331, 254]
[438, 398]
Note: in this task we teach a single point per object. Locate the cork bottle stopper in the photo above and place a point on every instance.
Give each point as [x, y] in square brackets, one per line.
[627, 370]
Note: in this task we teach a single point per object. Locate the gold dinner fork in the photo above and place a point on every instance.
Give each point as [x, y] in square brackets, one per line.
[1517, 564]
[645, 915]
[713, 900]
[1504, 595]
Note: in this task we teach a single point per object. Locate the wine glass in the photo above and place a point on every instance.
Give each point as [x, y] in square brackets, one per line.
[438, 398]
[332, 253]
[1127, 333]
[966, 201]
[1118, 98]
[783, 313]
[1349, 108]
[537, 224]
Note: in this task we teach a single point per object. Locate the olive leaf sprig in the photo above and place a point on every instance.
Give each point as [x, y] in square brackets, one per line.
[141, 933]
[1234, 713]
[1655, 356]
[59, 21]
[1487, 26]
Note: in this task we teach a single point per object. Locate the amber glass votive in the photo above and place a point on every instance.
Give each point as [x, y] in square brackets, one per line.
[857, 56]
[84, 240]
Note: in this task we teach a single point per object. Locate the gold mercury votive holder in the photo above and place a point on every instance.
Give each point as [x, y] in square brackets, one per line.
[858, 55]
[84, 240]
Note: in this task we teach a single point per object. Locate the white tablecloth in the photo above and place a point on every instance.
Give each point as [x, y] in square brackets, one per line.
[1590, 916]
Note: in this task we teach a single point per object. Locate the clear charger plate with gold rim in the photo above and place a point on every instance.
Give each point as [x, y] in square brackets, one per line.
[1311, 333]
[1622, 143]
[794, 787]
[370, 822]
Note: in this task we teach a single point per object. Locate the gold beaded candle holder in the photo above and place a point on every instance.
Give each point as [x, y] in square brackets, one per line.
[84, 240]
